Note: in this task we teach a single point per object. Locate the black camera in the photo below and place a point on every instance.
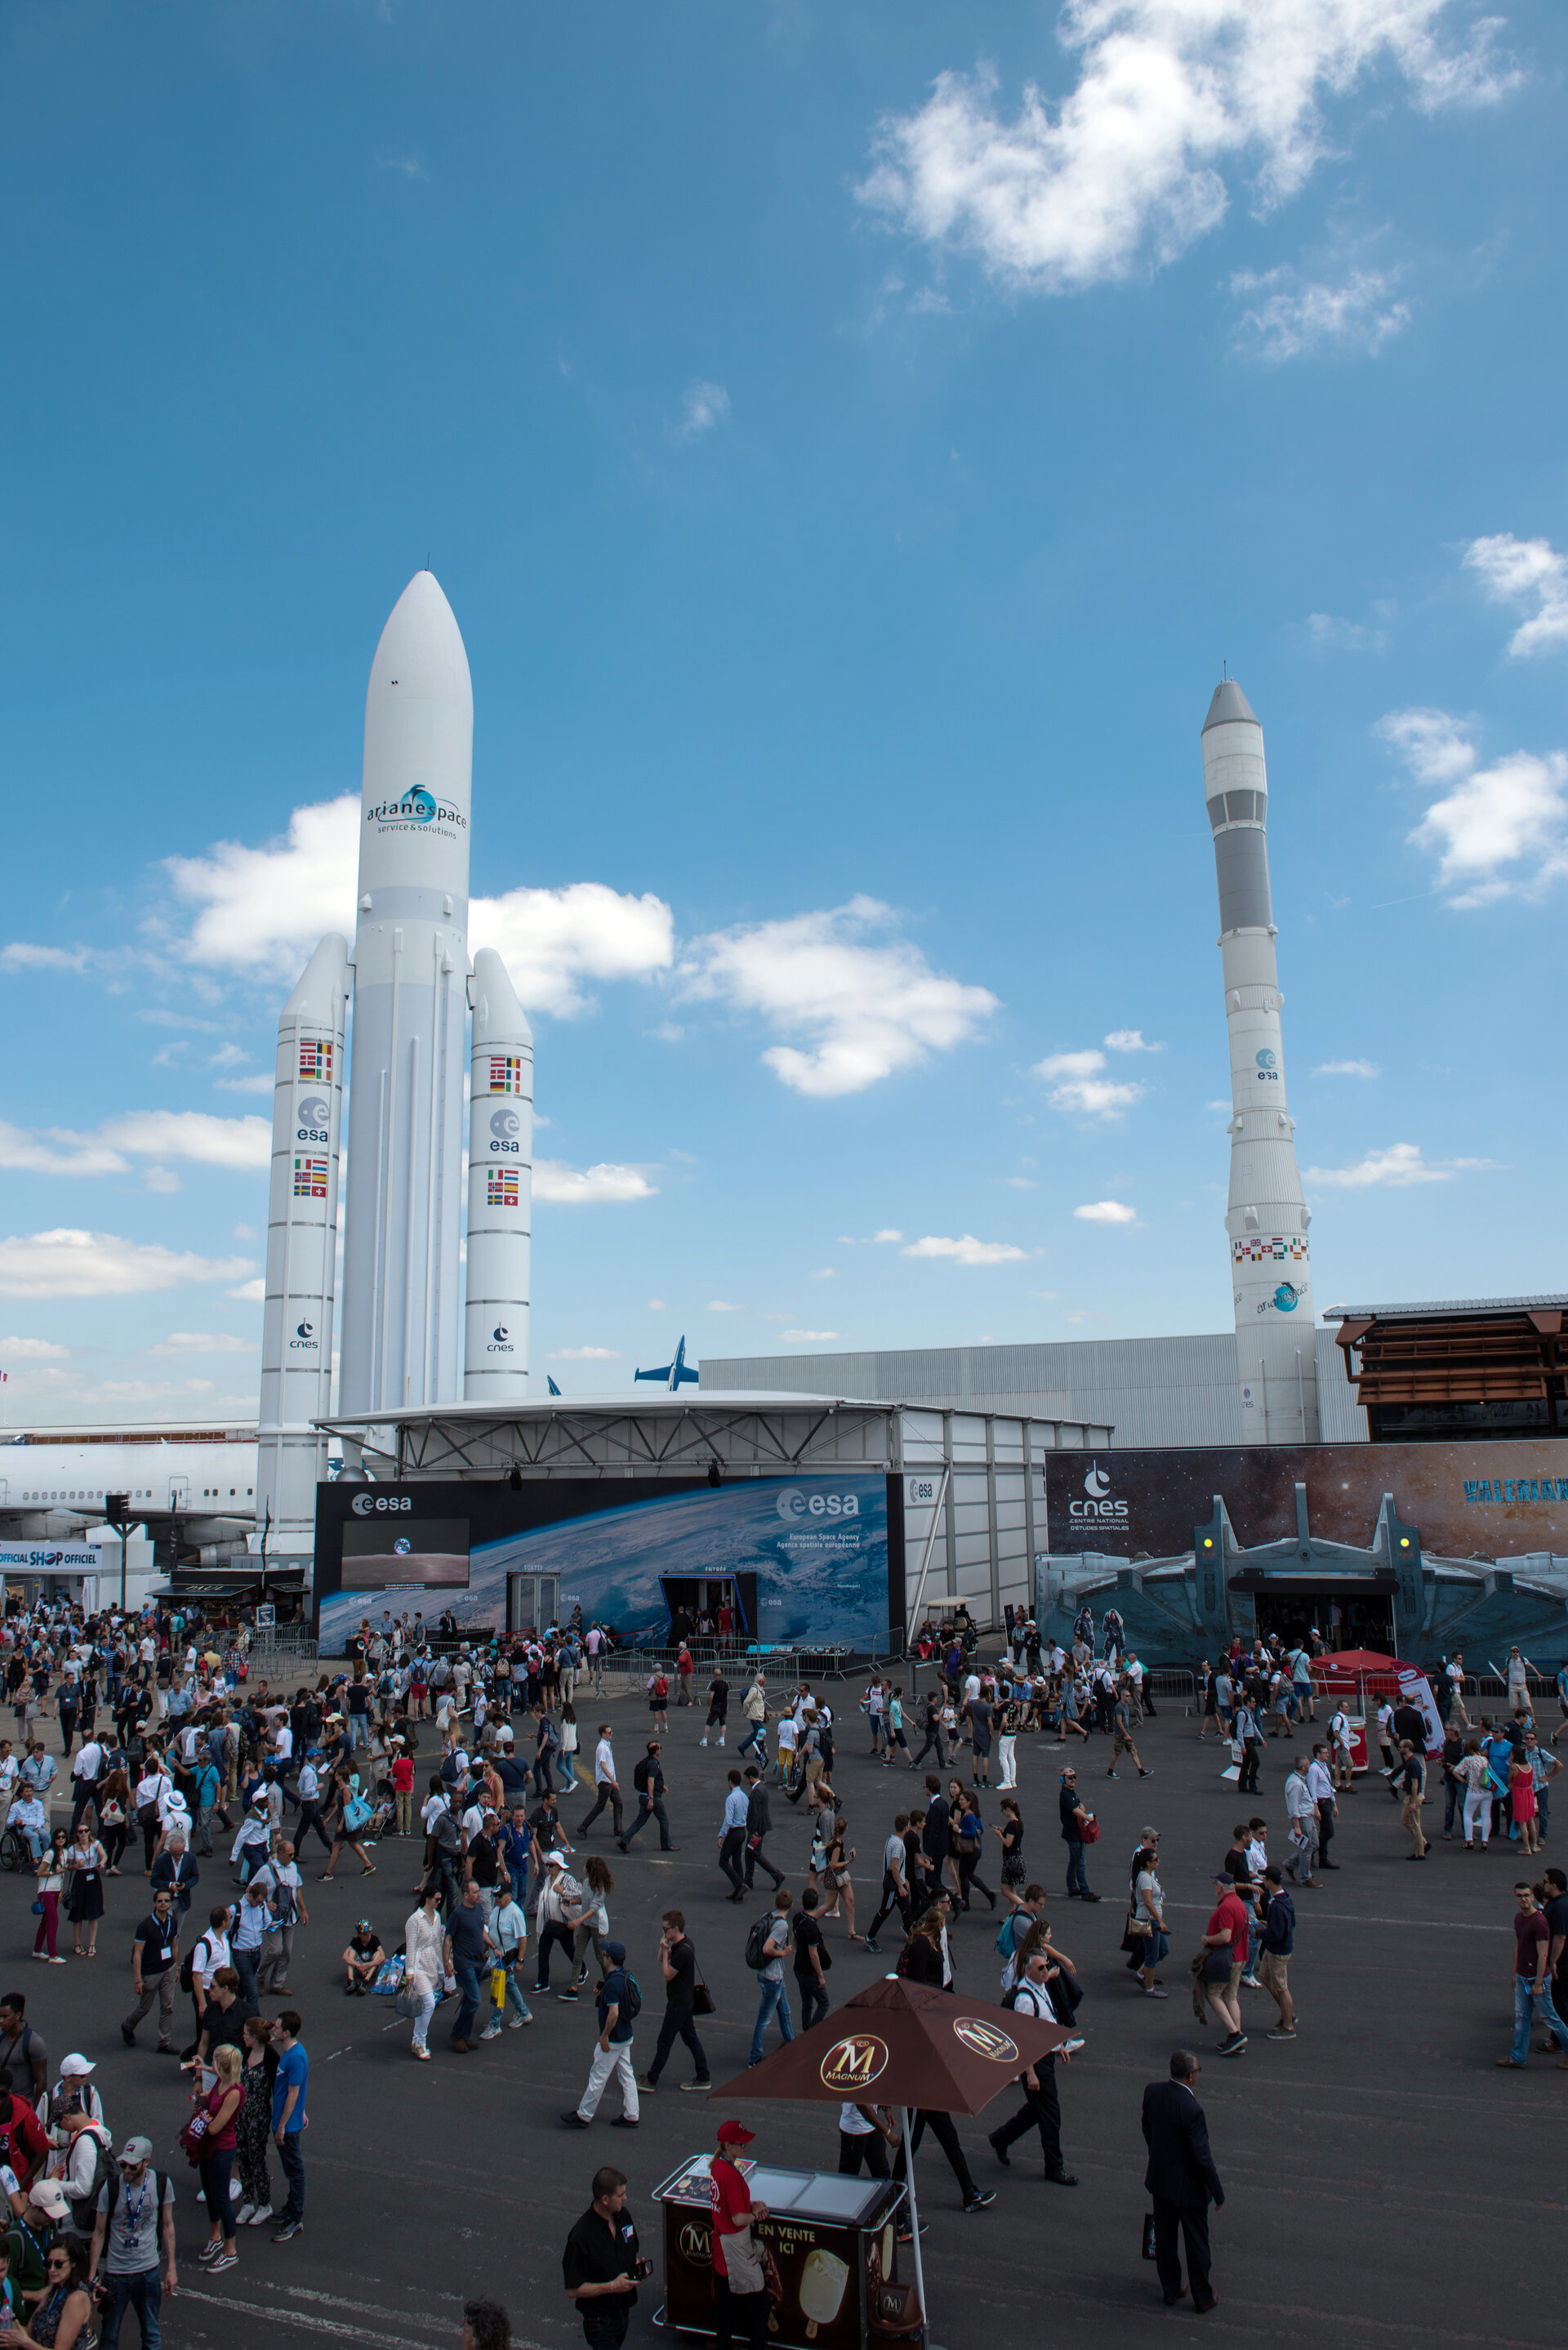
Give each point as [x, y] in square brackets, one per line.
[643, 2270]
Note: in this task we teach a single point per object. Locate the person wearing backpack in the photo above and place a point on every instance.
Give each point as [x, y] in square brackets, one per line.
[619, 2004]
[1040, 2108]
[88, 2165]
[768, 1944]
[135, 2221]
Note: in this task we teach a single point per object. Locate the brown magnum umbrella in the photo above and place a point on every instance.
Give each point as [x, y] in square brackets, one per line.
[904, 2044]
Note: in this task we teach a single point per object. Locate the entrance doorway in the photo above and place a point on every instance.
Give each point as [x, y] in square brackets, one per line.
[1343, 1619]
[533, 1602]
[707, 1608]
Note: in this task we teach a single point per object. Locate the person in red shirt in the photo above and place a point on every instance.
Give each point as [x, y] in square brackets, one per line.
[24, 2147]
[1225, 1947]
[1531, 1978]
[403, 1788]
[740, 2288]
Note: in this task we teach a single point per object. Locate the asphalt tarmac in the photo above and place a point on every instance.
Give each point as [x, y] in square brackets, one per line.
[1385, 2186]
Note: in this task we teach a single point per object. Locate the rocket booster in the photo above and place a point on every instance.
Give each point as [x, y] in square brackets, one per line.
[1267, 1218]
[301, 1252]
[500, 1189]
[402, 1283]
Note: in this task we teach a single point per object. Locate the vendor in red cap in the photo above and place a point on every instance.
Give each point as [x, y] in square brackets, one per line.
[739, 2287]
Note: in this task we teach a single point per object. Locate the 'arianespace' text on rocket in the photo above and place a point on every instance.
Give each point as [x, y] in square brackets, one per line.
[1267, 1220]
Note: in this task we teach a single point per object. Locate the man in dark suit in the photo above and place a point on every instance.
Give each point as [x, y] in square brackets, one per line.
[936, 1836]
[1182, 2178]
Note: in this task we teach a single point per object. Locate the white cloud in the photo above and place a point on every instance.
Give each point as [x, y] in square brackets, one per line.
[192, 1134]
[205, 1342]
[1127, 169]
[885, 1238]
[411, 166]
[586, 1355]
[1525, 571]
[967, 1250]
[1106, 1212]
[1345, 1069]
[576, 1187]
[809, 1337]
[823, 1272]
[71, 1264]
[262, 911]
[1077, 1089]
[657, 1305]
[227, 1057]
[249, 1293]
[552, 941]
[1130, 1040]
[161, 1179]
[21, 955]
[263, 1082]
[1289, 316]
[1328, 634]
[1434, 746]
[66, 1154]
[1395, 1169]
[870, 1001]
[1511, 814]
[721, 1305]
[1021, 1182]
[703, 406]
[32, 1350]
[165, 1134]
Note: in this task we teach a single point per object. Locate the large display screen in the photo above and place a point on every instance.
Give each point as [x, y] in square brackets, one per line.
[1470, 1500]
[816, 1545]
[398, 1553]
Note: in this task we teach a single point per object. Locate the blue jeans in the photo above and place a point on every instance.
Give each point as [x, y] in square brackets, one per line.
[358, 1731]
[753, 1737]
[293, 2163]
[1528, 2005]
[245, 1965]
[144, 2293]
[467, 1998]
[1077, 1880]
[771, 1995]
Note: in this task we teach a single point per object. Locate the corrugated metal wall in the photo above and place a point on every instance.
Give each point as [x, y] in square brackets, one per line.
[1148, 1391]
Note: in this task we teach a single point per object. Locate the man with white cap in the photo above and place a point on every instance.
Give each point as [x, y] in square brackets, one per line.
[73, 2092]
[135, 2221]
[557, 1917]
[32, 2231]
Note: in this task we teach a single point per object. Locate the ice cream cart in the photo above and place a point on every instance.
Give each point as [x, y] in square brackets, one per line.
[829, 2250]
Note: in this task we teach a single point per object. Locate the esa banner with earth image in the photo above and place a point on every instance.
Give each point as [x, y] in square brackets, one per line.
[818, 1546]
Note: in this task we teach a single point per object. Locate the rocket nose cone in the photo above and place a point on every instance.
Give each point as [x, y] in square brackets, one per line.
[421, 649]
[1229, 703]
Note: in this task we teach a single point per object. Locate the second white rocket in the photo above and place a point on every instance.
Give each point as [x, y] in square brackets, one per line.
[1267, 1218]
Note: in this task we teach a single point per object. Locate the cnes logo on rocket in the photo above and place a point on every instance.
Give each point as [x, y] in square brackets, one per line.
[1099, 1505]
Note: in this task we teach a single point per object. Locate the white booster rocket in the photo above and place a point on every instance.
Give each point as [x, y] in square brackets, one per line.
[1267, 1220]
[301, 1253]
[401, 1335]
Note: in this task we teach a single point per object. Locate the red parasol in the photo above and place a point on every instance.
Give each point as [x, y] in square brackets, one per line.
[904, 2044]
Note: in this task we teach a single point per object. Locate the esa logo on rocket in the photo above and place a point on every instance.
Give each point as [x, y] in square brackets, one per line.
[505, 1127]
[1097, 1486]
[314, 1114]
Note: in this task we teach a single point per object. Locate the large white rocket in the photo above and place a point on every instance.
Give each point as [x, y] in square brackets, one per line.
[412, 988]
[1267, 1218]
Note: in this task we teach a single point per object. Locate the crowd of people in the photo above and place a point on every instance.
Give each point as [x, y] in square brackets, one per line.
[166, 1743]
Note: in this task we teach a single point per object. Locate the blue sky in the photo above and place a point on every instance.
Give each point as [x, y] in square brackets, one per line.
[851, 440]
